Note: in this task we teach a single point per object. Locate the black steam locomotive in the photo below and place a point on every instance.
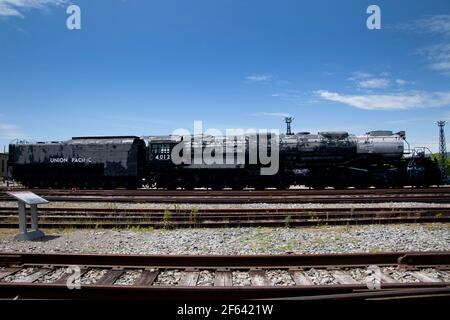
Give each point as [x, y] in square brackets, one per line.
[326, 159]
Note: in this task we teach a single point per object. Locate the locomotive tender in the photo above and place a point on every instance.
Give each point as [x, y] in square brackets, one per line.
[326, 159]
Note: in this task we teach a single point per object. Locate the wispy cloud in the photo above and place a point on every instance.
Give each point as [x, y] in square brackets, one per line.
[436, 24]
[408, 120]
[271, 114]
[401, 82]
[259, 77]
[10, 132]
[374, 83]
[438, 56]
[15, 8]
[398, 101]
[358, 75]
[364, 80]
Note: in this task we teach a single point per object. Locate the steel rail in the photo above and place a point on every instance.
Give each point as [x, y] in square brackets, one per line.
[249, 198]
[160, 192]
[146, 289]
[406, 259]
[226, 211]
[126, 224]
[175, 218]
[157, 195]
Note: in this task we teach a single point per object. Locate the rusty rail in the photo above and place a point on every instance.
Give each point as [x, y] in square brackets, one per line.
[146, 288]
[230, 217]
[438, 195]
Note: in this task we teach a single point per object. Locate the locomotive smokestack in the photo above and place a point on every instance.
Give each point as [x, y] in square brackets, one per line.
[288, 121]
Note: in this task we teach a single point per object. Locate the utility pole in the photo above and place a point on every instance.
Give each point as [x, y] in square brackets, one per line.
[288, 121]
[442, 146]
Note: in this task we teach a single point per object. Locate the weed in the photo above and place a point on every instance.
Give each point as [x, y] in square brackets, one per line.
[193, 215]
[288, 221]
[166, 218]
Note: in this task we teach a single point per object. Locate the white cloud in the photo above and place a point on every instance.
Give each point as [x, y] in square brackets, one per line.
[437, 24]
[258, 77]
[358, 75]
[364, 80]
[15, 8]
[373, 83]
[400, 101]
[272, 114]
[401, 82]
[438, 56]
[10, 132]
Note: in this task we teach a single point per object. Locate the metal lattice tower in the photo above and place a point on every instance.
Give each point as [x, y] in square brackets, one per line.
[442, 145]
[288, 121]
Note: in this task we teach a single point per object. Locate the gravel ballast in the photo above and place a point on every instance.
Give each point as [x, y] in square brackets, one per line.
[311, 240]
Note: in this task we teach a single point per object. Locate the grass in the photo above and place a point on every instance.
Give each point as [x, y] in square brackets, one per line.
[289, 246]
[288, 221]
[322, 225]
[439, 215]
[166, 218]
[6, 233]
[176, 208]
[111, 206]
[139, 229]
[376, 249]
[193, 215]
[261, 240]
[264, 230]
[320, 243]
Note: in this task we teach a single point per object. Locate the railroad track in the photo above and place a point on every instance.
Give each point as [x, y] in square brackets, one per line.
[231, 217]
[438, 195]
[306, 277]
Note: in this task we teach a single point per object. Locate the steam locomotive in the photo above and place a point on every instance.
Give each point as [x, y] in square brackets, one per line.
[325, 159]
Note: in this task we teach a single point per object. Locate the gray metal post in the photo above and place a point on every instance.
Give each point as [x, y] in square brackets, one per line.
[22, 218]
[34, 217]
[31, 199]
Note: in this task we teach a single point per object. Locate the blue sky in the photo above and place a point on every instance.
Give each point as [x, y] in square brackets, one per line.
[148, 67]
